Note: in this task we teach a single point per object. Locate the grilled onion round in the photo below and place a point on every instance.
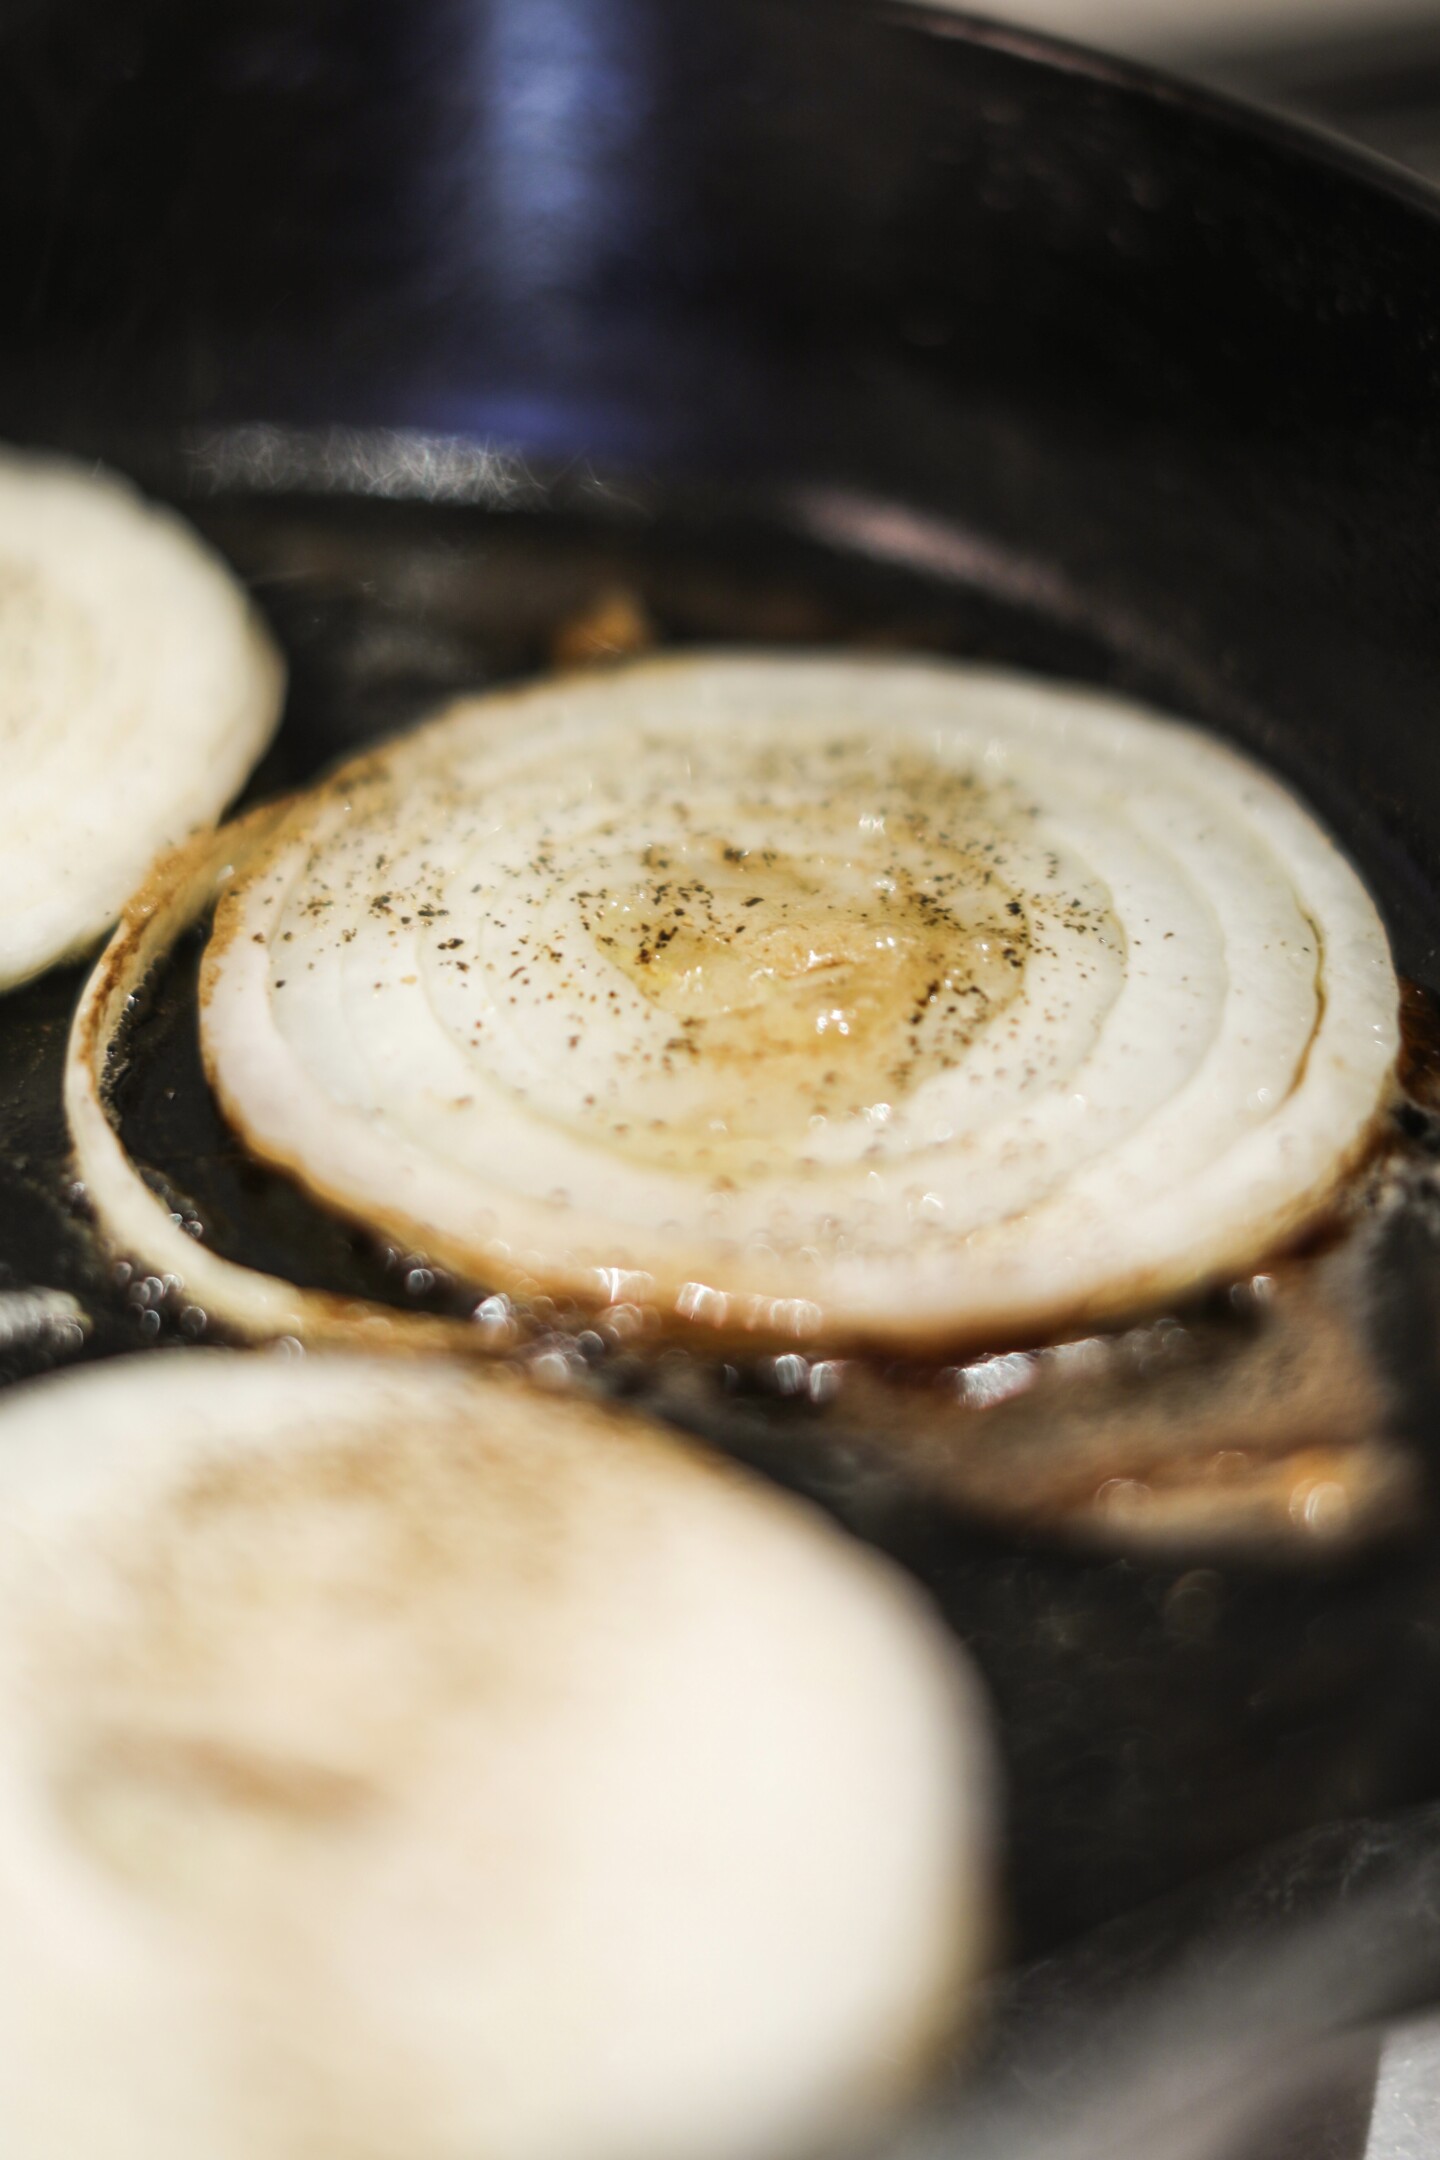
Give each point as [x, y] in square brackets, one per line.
[400, 1759]
[137, 689]
[875, 1002]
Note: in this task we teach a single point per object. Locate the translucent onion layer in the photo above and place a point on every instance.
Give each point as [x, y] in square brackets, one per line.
[875, 1003]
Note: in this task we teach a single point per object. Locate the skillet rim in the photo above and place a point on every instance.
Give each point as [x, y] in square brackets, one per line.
[1293, 134]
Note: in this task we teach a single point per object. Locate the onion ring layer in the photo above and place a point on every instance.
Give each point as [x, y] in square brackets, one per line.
[880, 1003]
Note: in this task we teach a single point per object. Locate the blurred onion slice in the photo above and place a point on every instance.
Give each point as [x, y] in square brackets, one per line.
[885, 1003]
[137, 689]
[401, 1760]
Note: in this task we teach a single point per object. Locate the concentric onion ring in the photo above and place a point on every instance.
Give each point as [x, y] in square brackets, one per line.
[402, 1760]
[872, 1002]
[137, 690]
[135, 1222]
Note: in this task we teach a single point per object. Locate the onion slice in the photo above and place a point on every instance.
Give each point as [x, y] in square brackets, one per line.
[138, 1226]
[878, 1004]
[400, 1759]
[138, 687]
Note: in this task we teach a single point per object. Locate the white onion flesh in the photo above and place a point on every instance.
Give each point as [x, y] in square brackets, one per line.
[137, 690]
[399, 1760]
[137, 1224]
[871, 1001]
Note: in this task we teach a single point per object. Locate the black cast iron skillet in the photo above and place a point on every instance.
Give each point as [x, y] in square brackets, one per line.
[796, 319]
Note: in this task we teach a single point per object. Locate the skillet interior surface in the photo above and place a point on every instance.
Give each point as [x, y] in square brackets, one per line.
[445, 321]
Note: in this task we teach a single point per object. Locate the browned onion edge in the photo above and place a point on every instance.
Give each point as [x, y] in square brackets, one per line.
[134, 1223]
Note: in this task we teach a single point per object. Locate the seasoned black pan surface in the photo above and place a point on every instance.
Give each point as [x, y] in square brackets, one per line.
[450, 323]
